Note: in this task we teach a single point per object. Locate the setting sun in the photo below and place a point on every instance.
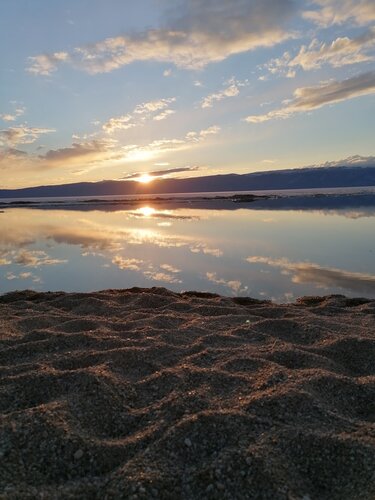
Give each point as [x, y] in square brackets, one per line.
[145, 178]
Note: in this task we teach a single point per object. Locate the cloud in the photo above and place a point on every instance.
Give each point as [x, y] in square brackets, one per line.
[35, 258]
[22, 135]
[164, 114]
[350, 161]
[142, 112]
[330, 12]
[161, 173]
[133, 152]
[341, 52]
[90, 151]
[86, 238]
[152, 106]
[161, 276]
[204, 248]
[234, 285]
[194, 33]
[151, 272]
[310, 98]
[11, 117]
[322, 277]
[169, 268]
[45, 64]
[118, 123]
[149, 212]
[232, 90]
[130, 264]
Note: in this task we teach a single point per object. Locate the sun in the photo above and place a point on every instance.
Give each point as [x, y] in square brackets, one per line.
[145, 178]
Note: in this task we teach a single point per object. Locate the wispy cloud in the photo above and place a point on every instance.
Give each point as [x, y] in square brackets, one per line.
[232, 89]
[155, 110]
[45, 64]
[118, 123]
[130, 264]
[134, 152]
[170, 268]
[310, 98]
[36, 258]
[341, 52]
[234, 285]
[206, 249]
[152, 106]
[161, 173]
[23, 276]
[322, 277]
[164, 114]
[195, 34]
[22, 135]
[14, 115]
[330, 12]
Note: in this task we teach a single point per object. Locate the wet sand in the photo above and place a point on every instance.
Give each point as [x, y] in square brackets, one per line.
[146, 393]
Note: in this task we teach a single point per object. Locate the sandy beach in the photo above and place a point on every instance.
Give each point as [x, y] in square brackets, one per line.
[146, 393]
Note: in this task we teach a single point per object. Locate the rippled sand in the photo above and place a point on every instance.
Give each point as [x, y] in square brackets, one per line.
[145, 393]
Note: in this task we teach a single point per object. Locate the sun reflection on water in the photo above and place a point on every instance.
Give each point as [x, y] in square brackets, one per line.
[146, 211]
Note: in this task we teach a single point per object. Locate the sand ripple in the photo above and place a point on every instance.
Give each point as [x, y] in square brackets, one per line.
[152, 394]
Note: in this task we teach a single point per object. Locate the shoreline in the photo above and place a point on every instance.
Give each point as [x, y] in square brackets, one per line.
[262, 200]
[148, 393]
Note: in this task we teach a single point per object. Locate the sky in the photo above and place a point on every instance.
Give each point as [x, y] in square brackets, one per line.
[116, 89]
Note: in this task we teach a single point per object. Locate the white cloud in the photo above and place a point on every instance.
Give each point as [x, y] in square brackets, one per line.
[197, 33]
[131, 264]
[152, 106]
[234, 285]
[160, 276]
[231, 90]
[330, 12]
[11, 117]
[164, 114]
[341, 52]
[45, 64]
[118, 123]
[156, 110]
[310, 98]
[207, 250]
[169, 268]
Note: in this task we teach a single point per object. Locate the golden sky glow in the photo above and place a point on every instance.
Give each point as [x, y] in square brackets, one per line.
[224, 86]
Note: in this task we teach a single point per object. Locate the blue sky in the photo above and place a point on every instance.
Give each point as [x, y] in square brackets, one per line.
[107, 89]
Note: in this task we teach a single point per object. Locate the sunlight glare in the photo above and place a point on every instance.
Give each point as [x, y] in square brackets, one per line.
[147, 211]
[145, 178]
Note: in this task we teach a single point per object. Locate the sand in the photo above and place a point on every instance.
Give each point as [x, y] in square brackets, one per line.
[146, 393]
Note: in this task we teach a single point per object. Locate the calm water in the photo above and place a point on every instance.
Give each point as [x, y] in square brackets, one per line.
[269, 249]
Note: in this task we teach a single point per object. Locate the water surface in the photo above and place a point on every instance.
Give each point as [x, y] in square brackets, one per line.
[267, 249]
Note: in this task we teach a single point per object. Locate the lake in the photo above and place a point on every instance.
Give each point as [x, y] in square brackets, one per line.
[279, 249]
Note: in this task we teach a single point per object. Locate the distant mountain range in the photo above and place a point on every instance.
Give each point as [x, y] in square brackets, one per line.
[302, 178]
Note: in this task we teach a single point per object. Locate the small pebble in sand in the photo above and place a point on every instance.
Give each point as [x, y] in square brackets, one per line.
[188, 442]
[78, 455]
